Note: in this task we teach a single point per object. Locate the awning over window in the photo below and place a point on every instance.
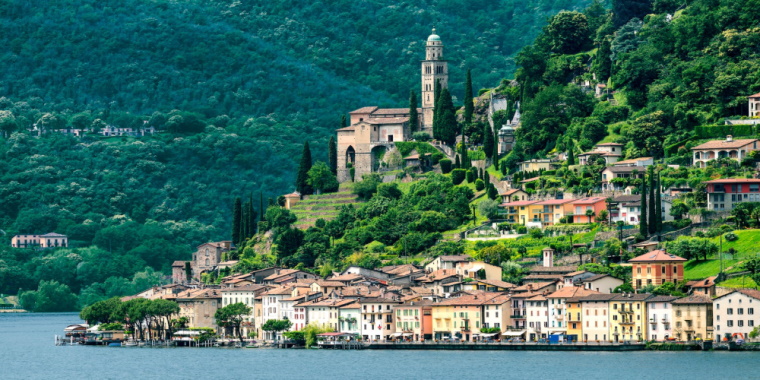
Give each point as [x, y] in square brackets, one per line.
[513, 333]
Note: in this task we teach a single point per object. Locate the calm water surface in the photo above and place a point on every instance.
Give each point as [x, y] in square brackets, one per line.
[27, 352]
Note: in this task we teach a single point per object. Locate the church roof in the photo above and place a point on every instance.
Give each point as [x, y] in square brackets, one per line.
[349, 128]
[434, 37]
[388, 120]
[364, 110]
[393, 111]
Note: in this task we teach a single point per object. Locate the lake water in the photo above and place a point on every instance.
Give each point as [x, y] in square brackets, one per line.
[27, 351]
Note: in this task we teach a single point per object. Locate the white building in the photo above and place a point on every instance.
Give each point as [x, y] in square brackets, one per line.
[660, 317]
[271, 308]
[350, 318]
[602, 283]
[734, 314]
[245, 294]
[377, 318]
[537, 317]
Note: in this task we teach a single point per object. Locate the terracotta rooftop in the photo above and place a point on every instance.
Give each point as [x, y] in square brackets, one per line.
[734, 180]
[393, 111]
[498, 283]
[455, 258]
[723, 144]
[470, 299]
[589, 200]
[562, 269]
[387, 120]
[510, 192]
[755, 96]
[530, 180]
[694, 299]
[657, 255]
[571, 292]
[364, 110]
[519, 203]
[631, 161]
[554, 202]
[662, 299]
[597, 297]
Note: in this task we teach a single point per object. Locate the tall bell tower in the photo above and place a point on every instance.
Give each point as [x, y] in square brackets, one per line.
[434, 68]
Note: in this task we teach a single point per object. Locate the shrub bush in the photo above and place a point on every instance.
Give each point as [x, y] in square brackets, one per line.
[445, 165]
[470, 177]
[731, 236]
[522, 229]
[421, 136]
[479, 184]
[457, 176]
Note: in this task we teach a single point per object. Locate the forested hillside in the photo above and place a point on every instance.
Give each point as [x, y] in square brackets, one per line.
[235, 87]
[669, 67]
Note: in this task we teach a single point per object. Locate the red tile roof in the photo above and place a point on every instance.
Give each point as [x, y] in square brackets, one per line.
[735, 180]
[555, 202]
[364, 110]
[723, 144]
[755, 96]
[519, 203]
[656, 256]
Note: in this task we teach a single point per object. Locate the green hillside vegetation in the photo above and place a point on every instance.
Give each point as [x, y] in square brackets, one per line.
[673, 67]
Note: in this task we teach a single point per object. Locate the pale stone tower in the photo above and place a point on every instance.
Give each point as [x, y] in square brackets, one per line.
[434, 68]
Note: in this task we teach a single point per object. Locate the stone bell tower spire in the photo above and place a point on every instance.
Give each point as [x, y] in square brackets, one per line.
[434, 69]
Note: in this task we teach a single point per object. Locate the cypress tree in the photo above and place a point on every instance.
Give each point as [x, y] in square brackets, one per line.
[488, 142]
[457, 164]
[480, 173]
[436, 109]
[447, 125]
[343, 123]
[468, 106]
[332, 153]
[244, 220]
[486, 178]
[413, 120]
[570, 153]
[658, 203]
[303, 170]
[261, 207]
[652, 207]
[251, 217]
[237, 216]
[496, 148]
[643, 230]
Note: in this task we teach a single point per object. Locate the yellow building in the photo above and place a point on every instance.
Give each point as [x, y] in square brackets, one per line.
[459, 317]
[517, 212]
[693, 317]
[628, 317]
[574, 318]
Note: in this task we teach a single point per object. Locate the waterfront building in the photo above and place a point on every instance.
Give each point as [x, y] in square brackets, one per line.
[245, 294]
[537, 317]
[558, 307]
[596, 316]
[349, 318]
[377, 318]
[496, 312]
[459, 317]
[660, 317]
[693, 317]
[628, 314]
[414, 320]
[199, 307]
[271, 307]
[325, 313]
[574, 319]
[734, 314]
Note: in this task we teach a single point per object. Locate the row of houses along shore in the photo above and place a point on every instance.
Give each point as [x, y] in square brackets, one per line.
[455, 298]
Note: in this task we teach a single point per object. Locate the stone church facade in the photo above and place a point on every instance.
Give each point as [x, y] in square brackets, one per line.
[374, 130]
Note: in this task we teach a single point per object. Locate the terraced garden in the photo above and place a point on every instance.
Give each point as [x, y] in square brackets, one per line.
[324, 206]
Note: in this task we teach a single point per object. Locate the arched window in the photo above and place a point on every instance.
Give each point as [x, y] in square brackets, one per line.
[206, 251]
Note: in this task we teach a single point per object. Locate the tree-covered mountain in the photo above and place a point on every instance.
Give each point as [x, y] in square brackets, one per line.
[667, 67]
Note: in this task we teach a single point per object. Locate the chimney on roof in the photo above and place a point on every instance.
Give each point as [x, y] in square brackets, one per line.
[729, 138]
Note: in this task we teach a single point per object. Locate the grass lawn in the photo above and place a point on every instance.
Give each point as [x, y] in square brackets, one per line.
[747, 245]
[611, 137]
[697, 270]
[739, 282]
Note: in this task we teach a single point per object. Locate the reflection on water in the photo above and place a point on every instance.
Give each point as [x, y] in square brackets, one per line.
[27, 351]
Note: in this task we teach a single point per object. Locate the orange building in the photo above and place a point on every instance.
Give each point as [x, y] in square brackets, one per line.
[579, 207]
[655, 268]
[414, 320]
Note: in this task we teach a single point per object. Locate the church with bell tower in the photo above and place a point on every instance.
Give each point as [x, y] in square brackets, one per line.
[373, 130]
[434, 69]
